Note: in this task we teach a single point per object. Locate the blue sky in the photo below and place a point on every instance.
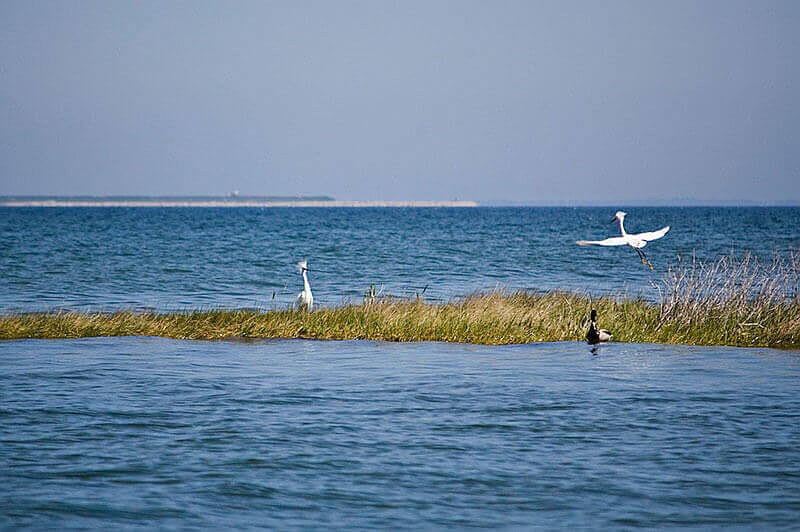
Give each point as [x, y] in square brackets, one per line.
[527, 102]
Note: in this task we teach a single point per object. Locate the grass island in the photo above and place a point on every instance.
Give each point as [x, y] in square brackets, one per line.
[731, 302]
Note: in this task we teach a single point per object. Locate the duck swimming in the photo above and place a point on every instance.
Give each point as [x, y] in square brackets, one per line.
[594, 335]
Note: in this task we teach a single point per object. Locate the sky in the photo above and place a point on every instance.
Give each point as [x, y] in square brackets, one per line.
[526, 102]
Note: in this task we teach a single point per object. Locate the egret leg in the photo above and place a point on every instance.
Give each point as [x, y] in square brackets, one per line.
[643, 257]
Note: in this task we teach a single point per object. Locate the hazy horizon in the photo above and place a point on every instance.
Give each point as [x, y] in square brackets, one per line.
[666, 202]
[512, 102]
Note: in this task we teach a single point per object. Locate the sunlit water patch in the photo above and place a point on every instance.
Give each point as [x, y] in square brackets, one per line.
[130, 432]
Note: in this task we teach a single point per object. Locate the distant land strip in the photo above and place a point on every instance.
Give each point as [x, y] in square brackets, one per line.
[218, 202]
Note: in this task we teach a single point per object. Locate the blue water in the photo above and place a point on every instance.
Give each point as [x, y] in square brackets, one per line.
[185, 258]
[154, 433]
[172, 434]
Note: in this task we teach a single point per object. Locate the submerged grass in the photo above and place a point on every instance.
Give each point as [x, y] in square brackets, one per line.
[730, 302]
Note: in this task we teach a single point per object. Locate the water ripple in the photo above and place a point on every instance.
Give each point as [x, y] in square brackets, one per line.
[228, 258]
[153, 433]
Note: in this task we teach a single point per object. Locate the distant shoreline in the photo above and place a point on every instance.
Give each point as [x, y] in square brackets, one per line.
[327, 201]
[219, 202]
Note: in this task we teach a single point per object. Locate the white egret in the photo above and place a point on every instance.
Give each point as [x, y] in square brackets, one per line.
[305, 298]
[595, 335]
[636, 241]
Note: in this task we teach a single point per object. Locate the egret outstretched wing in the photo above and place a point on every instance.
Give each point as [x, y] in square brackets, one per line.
[613, 241]
[636, 241]
[653, 235]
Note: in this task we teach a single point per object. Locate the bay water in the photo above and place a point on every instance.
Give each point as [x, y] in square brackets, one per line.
[156, 433]
[171, 259]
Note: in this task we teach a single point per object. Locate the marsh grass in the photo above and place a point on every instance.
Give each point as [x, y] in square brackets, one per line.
[729, 302]
[733, 301]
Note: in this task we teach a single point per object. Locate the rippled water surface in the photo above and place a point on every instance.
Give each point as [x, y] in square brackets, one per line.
[187, 258]
[152, 433]
[155, 433]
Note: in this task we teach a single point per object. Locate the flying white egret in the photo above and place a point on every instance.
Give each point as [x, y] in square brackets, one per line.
[595, 335]
[636, 241]
[305, 298]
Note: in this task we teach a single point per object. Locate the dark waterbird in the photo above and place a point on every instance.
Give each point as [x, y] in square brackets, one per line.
[595, 335]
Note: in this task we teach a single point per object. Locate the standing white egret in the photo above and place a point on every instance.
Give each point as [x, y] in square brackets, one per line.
[636, 241]
[595, 335]
[305, 298]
